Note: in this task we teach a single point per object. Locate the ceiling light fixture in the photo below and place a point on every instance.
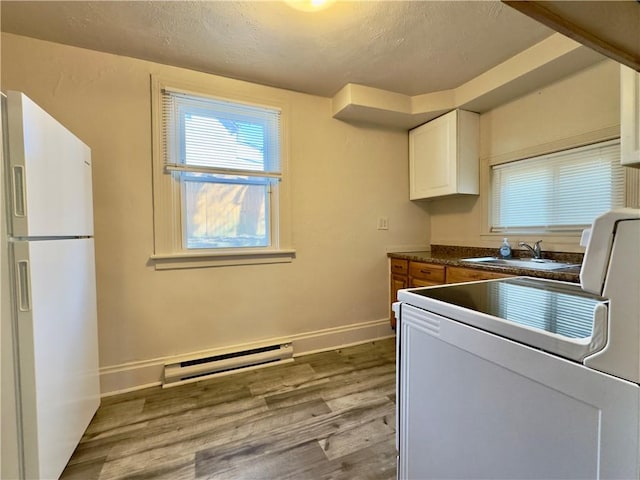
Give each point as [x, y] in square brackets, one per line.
[309, 5]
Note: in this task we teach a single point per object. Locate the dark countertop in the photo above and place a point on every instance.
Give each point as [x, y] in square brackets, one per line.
[451, 255]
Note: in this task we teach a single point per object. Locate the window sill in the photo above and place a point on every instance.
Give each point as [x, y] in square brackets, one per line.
[173, 261]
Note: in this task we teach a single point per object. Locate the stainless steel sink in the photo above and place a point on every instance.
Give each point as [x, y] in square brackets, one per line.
[533, 263]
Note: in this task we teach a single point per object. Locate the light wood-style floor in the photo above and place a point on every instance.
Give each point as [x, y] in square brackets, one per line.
[324, 416]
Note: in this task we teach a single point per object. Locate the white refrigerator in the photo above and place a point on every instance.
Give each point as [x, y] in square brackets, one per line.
[50, 290]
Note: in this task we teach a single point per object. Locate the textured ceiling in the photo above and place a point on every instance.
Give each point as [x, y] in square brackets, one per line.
[405, 47]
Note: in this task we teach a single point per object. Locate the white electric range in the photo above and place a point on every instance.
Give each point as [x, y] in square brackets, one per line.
[525, 378]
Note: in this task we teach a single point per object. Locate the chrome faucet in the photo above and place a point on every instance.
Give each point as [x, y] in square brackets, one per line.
[535, 250]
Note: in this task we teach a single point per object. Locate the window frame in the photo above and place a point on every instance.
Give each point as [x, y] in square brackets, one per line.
[551, 168]
[169, 252]
[558, 241]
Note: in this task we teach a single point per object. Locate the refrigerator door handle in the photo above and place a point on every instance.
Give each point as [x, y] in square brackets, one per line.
[24, 286]
[19, 200]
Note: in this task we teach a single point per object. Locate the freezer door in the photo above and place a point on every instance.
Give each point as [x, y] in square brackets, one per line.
[49, 174]
[58, 349]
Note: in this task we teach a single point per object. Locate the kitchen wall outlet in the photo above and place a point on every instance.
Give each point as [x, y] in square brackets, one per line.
[383, 223]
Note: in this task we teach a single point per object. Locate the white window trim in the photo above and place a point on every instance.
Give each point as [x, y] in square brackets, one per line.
[168, 251]
[558, 239]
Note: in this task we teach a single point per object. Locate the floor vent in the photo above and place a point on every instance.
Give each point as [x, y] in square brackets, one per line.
[196, 369]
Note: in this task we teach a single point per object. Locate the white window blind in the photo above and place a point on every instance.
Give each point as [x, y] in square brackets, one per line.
[220, 136]
[559, 191]
[226, 156]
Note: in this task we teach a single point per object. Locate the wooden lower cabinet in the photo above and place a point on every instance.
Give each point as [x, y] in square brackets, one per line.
[460, 274]
[411, 274]
[425, 274]
[405, 274]
[399, 280]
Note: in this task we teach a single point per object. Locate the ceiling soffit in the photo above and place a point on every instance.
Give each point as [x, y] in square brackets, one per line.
[554, 58]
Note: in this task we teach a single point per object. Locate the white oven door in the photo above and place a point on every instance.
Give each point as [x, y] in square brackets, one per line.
[473, 405]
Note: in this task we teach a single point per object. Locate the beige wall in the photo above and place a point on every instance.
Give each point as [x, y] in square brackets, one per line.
[342, 178]
[579, 108]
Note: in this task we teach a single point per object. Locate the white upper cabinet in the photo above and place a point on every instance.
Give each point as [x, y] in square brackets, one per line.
[443, 156]
[629, 117]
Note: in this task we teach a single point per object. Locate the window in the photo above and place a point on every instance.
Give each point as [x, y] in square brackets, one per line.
[217, 175]
[562, 191]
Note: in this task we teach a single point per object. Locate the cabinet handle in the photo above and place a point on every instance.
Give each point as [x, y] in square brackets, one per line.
[425, 271]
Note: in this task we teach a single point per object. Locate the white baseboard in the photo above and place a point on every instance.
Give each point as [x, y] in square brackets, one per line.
[132, 376]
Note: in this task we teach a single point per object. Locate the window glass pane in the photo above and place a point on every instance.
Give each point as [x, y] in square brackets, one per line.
[225, 215]
[218, 133]
[226, 156]
[564, 190]
[226, 143]
[208, 141]
[584, 191]
[536, 183]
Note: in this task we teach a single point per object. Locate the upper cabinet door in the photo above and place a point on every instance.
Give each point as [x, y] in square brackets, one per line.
[443, 156]
[49, 174]
[629, 117]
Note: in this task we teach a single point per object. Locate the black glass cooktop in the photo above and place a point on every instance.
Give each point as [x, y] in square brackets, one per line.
[559, 308]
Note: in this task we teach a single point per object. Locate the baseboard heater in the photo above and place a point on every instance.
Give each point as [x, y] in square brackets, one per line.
[195, 369]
